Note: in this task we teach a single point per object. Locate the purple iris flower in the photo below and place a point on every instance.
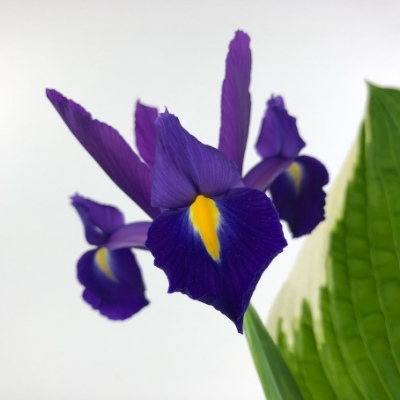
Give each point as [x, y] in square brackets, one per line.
[215, 237]
[214, 233]
[109, 273]
[294, 182]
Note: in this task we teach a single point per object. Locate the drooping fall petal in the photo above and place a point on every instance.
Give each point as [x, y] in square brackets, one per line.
[298, 195]
[216, 251]
[113, 282]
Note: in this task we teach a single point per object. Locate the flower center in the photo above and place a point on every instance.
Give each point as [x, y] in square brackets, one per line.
[204, 215]
[101, 259]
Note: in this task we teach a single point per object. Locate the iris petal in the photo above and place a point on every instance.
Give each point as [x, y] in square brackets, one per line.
[235, 100]
[250, 236]
[263, 174]
[298, 195]
[279, 134]
[184, 167]
[109, 149]
[99, 220]
[113, 282]
[145, 132]
[279, 143]
[129, 235]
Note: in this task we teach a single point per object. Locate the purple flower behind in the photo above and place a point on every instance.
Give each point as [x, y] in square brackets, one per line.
[110, 274]
[279, 144]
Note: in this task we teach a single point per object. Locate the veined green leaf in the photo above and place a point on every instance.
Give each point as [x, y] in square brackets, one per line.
[276, 379]
[337, 319]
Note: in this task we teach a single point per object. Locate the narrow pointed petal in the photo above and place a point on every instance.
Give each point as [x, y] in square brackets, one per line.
[235, 100]
[263, 174]
[113, 282]
[98, 219]
[145, 132]
[184, 167]
[109, 149]
[279, 144]
[298, 195]
[129, 235]
[249, 236]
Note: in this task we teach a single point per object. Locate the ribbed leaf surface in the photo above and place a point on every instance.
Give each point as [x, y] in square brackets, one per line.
[346, 345]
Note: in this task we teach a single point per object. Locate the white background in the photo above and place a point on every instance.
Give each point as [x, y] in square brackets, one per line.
[105, 55]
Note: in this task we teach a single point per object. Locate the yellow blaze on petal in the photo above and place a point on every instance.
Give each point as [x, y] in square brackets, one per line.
[204, 215]
[295, 173]
[101, 259]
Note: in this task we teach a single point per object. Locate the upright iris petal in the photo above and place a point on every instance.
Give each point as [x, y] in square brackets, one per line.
[145, 132]
[279, 144]
[235, 100]
[109, 149]
[110, 274]
[215, 237]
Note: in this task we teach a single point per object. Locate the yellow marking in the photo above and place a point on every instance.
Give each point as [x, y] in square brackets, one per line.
[101, 259]
[204, 215]
[295, 173]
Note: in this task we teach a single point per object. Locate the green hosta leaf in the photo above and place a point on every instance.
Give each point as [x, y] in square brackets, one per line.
[276, 379]
[337, 319]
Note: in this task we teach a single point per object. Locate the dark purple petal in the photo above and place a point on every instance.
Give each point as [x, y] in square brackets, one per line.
[235, 100]
[279, 135]
[249, 236]
[98, 219]
[129, 235]
[184, 167]
[109, 149]
[262, 175]
[298, 196]
[279, 144]
[113, 282]
[145, 132]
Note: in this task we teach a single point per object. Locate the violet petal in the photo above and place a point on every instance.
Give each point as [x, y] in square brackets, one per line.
[98, 219]
[263, 174]
[145, 132]
[113, 282]
[184, 167]
[235, 100]
[278, 135]
[109, 149]
[129, 235]
[298, 195]
[249, 235]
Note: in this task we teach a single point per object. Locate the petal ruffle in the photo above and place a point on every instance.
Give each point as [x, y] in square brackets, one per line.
[113, 282]
[298, 195]
[129, 235]
[145, 132]
[109, 149]
[99, 220]
[184, 167]
[250, 236]
[235, 100]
